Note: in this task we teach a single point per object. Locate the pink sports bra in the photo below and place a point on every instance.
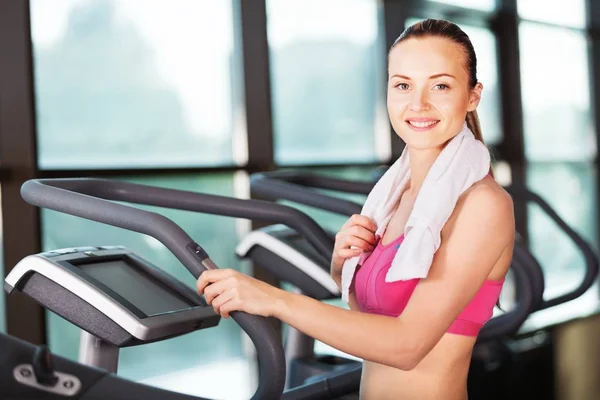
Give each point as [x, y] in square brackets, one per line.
[375, 295]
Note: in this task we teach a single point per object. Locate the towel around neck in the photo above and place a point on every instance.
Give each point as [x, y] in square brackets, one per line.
[463, 161]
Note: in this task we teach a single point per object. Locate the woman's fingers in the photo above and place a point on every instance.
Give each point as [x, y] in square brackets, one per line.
[355, 241]
[360, 220]
[349, 253]
[215, 289]
[229, 306]
[221, 300]
[363, 233]
[210, 276]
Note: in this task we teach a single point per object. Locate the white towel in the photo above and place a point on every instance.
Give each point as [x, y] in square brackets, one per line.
[463, 161]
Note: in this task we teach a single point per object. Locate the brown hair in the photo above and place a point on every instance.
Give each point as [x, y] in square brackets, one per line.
[449, 30]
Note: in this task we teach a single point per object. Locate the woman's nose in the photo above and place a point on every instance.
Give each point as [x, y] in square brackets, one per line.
[419, 101]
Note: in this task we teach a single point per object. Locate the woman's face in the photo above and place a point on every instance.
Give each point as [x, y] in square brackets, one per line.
[428, 93]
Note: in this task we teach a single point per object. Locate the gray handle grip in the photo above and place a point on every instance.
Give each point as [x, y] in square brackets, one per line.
[295, 186]
[170, 198]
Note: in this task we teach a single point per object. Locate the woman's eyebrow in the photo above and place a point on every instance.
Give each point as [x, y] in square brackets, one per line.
[431, 77]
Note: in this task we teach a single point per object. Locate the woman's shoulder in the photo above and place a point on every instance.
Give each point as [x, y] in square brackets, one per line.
[488, 192]
[485, 202]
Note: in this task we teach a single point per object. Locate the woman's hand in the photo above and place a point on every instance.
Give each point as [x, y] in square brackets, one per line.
[355, 236]
[229, 290]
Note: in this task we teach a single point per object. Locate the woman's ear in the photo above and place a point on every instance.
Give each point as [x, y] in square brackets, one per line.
[475, 96]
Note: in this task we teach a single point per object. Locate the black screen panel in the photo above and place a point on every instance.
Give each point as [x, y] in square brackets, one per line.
[140, 289]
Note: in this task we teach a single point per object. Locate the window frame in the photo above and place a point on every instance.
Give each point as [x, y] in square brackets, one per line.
[18, 152]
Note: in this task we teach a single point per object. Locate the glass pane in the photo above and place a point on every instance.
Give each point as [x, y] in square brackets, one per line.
[570, 189]
[128, 83]
[554, 11]
[483, 5]
[489, 109]
[328, 80]
[199, 363]
[555, 85]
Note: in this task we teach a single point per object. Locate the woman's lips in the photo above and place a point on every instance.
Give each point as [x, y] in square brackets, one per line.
[422, 124]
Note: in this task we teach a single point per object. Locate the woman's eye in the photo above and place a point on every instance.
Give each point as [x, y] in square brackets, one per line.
[441, 86]
[402, 86]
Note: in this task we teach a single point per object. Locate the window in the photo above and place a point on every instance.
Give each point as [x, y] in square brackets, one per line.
[554, 11]
[167, 363]
[328, 83]
[556, 97]
[126, 83]
[483, 5]
[560, 146]
[489, 109]
[570, 189]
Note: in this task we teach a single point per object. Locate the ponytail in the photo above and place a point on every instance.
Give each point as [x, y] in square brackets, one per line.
[475, 127]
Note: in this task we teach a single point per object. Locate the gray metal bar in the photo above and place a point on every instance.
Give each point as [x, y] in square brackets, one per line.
[73, 196]
[276, 189]
[97, 353]
[317, 181]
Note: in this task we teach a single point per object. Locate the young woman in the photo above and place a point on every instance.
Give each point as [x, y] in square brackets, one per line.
[416, 337]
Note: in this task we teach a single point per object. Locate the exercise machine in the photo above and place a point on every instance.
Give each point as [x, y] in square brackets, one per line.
[91, 287]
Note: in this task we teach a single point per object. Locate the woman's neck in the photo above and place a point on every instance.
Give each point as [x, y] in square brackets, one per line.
[421, 162]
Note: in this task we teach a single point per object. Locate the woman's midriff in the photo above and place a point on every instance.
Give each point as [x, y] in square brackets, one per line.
[441, 375]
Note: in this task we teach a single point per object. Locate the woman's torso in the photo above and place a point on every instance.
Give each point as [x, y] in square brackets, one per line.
[442, 374]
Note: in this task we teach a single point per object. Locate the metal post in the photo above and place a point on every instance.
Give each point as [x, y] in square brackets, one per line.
[97, 353]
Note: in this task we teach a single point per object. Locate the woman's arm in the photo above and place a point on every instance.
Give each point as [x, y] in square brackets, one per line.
[472, 242]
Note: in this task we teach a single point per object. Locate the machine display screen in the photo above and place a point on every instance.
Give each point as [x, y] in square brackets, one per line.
[142, 290]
